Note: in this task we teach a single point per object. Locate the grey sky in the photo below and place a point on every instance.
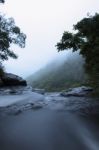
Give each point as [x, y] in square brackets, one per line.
[43, 21]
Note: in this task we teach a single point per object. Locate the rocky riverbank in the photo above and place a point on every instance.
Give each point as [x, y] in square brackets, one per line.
[16, 99]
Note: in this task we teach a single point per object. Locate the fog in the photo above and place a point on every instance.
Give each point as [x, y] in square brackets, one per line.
[43, 22]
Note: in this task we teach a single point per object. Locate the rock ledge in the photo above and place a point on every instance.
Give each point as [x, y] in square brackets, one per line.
[10, 79]
[78, 91]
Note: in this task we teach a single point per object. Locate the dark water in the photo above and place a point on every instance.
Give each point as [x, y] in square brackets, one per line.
[51, 123]
[48, 130]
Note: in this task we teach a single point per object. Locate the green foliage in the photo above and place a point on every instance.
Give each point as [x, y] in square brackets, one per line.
[86, 39]
[9, 34]
[69, 41]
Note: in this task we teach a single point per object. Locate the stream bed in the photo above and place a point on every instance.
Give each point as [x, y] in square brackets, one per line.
[48, 122]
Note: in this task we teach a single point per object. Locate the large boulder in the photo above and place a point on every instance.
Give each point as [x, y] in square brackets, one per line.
[10, 79]
[78, 91]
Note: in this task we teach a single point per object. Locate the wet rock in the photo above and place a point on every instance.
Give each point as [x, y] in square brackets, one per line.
[31, 104]
[12, 92]
[36, 107]
[1, 83]
[13, 80]
[78, 91]
[18, 112]
[15, 90]
[4, 91]
[40, 91]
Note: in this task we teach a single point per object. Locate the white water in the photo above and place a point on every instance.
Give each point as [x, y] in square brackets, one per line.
[7, 100]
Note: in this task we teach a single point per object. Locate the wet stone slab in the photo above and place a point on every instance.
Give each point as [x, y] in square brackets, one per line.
[79, 105]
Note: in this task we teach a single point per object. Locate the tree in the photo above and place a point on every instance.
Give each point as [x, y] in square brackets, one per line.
[86, 40]
[9, 34]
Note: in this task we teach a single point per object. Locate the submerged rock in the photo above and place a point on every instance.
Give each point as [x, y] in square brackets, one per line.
[78, 91]
[10, 79]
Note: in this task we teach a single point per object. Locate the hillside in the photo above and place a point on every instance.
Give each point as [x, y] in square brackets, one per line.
[62, 73]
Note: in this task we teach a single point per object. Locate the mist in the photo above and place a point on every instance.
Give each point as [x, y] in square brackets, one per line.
[65, 71]
[49, 100]
[43, 22]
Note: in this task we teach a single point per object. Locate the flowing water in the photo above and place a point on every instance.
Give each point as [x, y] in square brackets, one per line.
[50, 122]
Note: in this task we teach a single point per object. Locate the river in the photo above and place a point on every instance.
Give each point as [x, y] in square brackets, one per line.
[48, 122]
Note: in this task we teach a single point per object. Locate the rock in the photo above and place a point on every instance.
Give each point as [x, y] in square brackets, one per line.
[15, 90]
[36, 107]
[78, 91]
[1, 83]
[17, 112]
[40, 91]
[13, 80]
[12, 92]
